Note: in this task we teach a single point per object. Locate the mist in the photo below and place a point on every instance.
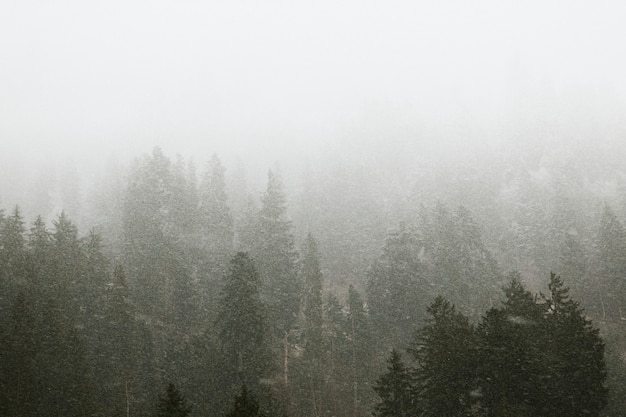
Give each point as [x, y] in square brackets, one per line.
[358, 168]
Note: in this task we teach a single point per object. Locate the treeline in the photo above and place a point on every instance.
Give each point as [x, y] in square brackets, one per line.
[533, 356]
[179, 287]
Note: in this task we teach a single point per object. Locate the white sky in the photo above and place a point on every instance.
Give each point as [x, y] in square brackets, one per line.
[263, 77]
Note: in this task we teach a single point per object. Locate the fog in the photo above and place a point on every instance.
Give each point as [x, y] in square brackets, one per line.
[275, 79]
[377, 166]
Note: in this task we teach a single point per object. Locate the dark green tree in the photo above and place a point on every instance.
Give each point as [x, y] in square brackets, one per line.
[510, 343]
[445, 362]
[574, 367]
[242, 325]
[395, 389]
[172, 403]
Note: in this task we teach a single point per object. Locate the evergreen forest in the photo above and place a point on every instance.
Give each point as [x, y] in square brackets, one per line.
[489, 287]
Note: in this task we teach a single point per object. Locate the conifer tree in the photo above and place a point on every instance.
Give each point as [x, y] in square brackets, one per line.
[359, 351]
[611, 256]
[242, 325]
[14, 265]
[398, 288]
[216, 218]
[313, 308]
[510, 342]
[575, 368]
[395, 389]
[444, 352]
[275, 253]
[172, 403]
[312, 367]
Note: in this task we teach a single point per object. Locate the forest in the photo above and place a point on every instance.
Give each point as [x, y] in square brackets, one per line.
[492, 286]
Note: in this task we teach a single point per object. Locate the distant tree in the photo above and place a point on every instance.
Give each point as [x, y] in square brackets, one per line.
[242, 324]
[398, 288]
[611, 268]
[445, 356]
[313, 325]
[276, 256]
[158, 215]
[463, 270]
[172, 403]
[245, 405]
[14, 265]
[67, 262]
[359, 351]
[313, 308]
[395, 389]
[216, 218]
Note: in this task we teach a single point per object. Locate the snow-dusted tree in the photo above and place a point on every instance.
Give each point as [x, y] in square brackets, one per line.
[275, 254]
[611, 265]
[444, 353]
[215, 216]
[395, 389]
[398, 289]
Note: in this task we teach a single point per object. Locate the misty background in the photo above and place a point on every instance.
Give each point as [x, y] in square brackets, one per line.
[288, 81]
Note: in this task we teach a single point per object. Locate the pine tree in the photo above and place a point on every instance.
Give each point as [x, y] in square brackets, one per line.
[275, 253]
[395, 389]
[611, 256]
[445, 373]
[509, 346]
[398, 288]
[313, 308]
[216, 219]
[172, 403]
[14, 265]
[574, 367]
[540, 357]
[242, 324]
[359, 351]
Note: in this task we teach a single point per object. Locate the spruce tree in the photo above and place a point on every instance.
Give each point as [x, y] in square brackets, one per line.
[216, 219]
[172, 403]
[395, 389]
[312, 367]
[398, 288]
[611, 258]
[242, 325]
[575, 369]
[275, 253]
[510, 341]
[445, 358]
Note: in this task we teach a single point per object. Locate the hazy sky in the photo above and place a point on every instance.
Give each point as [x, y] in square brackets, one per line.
[80, 77]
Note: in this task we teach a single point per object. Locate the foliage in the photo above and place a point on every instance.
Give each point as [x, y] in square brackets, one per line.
[172, 403]
[395, 390]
